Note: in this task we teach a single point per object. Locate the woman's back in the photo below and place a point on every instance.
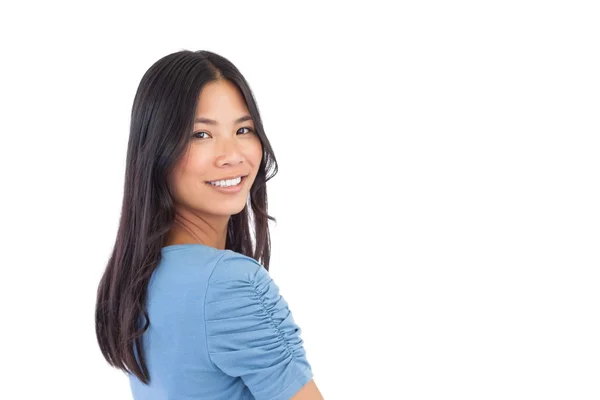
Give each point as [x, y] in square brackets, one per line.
[219, 329]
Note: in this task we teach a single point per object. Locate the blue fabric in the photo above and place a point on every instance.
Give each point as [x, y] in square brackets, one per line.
[219, 329]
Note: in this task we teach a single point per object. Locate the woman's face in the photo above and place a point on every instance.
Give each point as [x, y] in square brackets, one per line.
[221, 149]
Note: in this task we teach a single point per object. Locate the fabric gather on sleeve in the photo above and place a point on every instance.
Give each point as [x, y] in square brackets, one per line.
[251, 332]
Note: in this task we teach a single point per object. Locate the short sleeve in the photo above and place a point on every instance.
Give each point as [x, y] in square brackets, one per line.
[251, 332]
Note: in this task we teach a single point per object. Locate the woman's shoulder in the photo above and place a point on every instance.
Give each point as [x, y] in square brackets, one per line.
[212, 275]
[232, 267]
[219, 262]
[210, 265]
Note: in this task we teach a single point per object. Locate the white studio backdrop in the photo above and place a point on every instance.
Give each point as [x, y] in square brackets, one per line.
[437, 212]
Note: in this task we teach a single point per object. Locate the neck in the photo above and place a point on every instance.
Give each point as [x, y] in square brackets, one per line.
[191, 228]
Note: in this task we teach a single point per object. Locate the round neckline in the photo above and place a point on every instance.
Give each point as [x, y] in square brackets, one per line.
[185, 245]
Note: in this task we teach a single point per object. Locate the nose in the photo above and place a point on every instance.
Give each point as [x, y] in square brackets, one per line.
[229, 153]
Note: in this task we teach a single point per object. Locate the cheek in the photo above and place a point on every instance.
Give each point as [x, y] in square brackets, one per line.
[255, 152]
[189, 174]
[173, 186]
[196, 163]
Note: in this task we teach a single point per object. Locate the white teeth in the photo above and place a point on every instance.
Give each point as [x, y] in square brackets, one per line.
[227, 183]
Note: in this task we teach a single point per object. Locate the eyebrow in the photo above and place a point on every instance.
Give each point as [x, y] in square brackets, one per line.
[213, 122]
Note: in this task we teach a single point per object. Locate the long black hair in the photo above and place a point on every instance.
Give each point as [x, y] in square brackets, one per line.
[161, 119]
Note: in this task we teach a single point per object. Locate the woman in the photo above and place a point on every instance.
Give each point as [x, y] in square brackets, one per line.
[186, 306]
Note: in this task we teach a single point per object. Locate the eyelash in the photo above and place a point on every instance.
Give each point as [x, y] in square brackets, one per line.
[250, 130]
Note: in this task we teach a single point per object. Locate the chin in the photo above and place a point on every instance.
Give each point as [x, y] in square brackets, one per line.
[237, 210]
[229, 211]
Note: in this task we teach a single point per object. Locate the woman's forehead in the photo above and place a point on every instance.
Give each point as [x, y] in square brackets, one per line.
[220, 100]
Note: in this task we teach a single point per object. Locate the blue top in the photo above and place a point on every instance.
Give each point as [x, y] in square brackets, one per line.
[219, 329]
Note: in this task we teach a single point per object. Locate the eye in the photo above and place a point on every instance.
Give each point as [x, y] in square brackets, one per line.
[198, 133]
[250, 130]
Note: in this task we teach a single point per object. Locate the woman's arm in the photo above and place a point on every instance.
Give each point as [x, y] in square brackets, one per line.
[251, 333]
[308, 392]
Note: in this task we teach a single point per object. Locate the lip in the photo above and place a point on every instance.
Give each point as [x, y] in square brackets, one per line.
[233, 189]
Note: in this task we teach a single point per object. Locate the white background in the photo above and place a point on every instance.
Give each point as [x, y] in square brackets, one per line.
[437, 201]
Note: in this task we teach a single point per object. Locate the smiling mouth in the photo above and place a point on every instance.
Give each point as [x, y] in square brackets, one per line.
[227, 183]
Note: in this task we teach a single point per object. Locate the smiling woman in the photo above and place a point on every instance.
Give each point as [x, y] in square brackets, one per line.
[186, 306]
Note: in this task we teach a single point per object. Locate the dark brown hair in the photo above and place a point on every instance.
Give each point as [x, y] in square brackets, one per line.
[161, 122]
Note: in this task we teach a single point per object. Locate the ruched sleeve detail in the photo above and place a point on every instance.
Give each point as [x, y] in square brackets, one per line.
[251, 332]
